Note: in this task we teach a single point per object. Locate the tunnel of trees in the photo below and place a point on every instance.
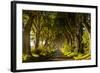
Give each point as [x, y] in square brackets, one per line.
[54, 36]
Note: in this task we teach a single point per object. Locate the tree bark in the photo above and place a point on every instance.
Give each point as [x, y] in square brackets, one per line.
[77, 33]
[26, 38]
[37, 51]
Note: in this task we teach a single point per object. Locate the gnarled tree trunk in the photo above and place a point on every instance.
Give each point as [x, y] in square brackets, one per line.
[26, 38]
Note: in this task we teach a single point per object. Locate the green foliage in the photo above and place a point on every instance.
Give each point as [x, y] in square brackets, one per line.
[67, 50]
[24, 57]
[82, 56]
[86, 41]
[58, 30]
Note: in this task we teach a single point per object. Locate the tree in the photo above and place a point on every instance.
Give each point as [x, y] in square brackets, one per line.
[54, 30]
[27, 24]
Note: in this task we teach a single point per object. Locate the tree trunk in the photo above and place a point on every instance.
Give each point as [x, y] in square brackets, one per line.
[26, 39]
[87, 22]
[77, 33]
[37, 51]
[76, 42]
[81, 50]
[26, 43]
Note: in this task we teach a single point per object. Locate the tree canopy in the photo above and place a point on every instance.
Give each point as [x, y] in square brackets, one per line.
[51, 35]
